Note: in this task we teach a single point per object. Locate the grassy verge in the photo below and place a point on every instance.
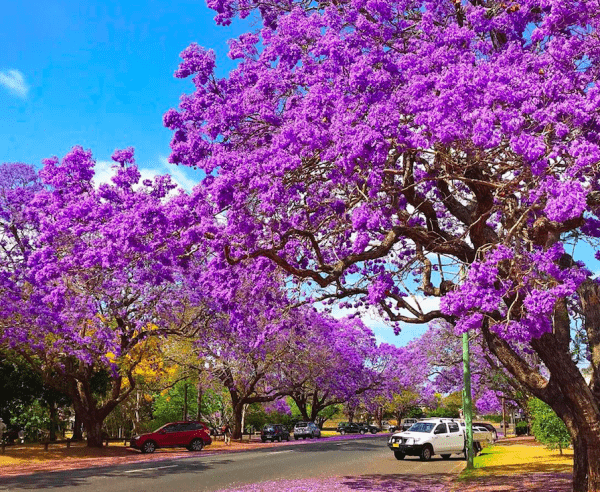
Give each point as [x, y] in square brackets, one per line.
[505, 460]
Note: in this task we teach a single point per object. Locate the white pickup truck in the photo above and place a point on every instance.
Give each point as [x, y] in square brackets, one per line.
[435, 436]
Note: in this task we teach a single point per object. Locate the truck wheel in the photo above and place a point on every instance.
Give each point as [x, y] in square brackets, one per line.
[445, 456]
[399, 455]
[426, 454]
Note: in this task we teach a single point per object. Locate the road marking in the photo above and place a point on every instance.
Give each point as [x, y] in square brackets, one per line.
[279, 452]
[148, 469]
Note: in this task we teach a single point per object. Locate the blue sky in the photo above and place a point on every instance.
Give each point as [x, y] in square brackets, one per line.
[98, 74]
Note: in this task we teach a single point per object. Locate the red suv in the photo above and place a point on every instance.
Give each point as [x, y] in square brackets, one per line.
[191, 435]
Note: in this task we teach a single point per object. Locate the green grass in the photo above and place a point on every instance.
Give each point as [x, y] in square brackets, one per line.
[499, 460]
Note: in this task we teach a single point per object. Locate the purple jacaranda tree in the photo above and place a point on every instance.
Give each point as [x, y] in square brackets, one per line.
[404, 373]
[88, 274]
[440, 350]
[248, 333]
[358, 144]
[335, 360]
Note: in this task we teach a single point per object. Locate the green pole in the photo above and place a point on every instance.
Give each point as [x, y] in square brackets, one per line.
[467, 405]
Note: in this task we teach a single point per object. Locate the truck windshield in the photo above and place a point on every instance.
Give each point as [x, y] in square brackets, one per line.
[421, 427]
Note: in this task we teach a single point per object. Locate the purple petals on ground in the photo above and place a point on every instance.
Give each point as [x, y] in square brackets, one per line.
[374, 483]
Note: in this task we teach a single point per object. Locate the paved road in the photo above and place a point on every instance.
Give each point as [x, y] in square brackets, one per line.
[203, 472]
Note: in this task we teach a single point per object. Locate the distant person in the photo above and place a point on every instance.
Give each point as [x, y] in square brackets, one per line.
[226, 430]
[2, 429]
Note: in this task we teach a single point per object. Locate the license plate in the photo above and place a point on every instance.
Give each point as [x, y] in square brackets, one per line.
[395, 445]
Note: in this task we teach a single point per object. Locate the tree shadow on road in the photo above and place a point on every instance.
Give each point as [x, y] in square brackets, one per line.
[80, 477]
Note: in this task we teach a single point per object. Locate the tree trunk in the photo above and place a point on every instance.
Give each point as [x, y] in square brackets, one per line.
[199, 400]
[379, 417]
[93, 428]
[238, 414]
[77, 434]
[185, 401]
[567, 393]
[52, 408]
[586, 463]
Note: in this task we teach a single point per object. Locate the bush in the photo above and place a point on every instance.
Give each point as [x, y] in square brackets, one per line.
[547, 427]
[521, 428]
[34, 419]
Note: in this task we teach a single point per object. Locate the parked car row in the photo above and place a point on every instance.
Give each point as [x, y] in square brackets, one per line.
[422, 438]
[357, 428]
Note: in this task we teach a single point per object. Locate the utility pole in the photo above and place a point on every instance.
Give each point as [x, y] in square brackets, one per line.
[467, 402]
[504, 417]
[467, 398]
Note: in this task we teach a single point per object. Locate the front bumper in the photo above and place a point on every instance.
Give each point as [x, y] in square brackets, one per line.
[271, 437]
[302, 434]
[407, 449]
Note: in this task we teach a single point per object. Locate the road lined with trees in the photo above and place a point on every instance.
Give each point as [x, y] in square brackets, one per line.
[307, 461]
[450, 149]
[361, 155]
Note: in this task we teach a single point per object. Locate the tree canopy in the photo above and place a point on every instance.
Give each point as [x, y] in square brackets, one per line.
[376, 149]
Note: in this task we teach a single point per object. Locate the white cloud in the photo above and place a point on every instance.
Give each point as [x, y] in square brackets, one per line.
[178, 174]
[104, 172]
[14, 82]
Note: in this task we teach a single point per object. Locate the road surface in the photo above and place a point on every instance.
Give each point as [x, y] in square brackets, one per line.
[205, 472]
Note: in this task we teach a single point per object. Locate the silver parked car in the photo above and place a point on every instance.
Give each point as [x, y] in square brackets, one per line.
[306, 429]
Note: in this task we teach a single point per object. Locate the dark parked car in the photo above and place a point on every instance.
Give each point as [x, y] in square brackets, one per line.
[306, 429]
[356, 428]
[191, 435]
[373, 429]
[274, 432]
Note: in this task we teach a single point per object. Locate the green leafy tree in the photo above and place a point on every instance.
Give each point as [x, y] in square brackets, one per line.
[547, 427]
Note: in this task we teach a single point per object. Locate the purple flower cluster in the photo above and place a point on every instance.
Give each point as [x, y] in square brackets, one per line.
[486, 288]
